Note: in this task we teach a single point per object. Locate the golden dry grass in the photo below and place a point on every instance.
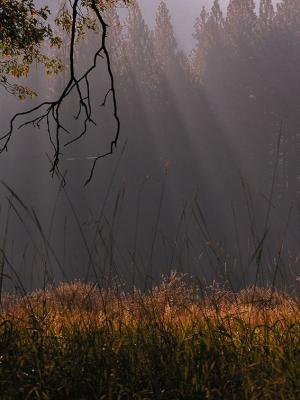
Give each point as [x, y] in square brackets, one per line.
[79, 341]
[174, 302]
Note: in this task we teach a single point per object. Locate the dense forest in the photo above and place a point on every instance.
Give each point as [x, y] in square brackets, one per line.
[232, 92]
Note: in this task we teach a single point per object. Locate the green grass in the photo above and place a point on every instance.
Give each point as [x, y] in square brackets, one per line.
[175, 342]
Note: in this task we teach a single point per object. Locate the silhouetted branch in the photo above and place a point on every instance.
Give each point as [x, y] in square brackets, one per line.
[112, 90]
[51, 110]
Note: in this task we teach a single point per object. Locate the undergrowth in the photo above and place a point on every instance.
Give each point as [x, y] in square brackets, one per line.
[176, 341]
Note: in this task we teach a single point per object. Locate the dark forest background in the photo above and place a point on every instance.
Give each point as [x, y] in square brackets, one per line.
[206, 178]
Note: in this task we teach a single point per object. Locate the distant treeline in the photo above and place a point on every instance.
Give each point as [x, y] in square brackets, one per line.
[224, 119]
[238, 85]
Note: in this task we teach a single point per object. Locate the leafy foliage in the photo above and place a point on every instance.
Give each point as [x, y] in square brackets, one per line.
[23, 31]
[26, 36]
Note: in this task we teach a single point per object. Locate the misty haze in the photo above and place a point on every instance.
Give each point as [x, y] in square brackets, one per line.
[205, 177]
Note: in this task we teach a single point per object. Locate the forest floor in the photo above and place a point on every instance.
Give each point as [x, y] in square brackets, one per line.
[176, 341]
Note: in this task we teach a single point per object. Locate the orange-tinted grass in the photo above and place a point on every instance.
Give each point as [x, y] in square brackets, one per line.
[174, 302]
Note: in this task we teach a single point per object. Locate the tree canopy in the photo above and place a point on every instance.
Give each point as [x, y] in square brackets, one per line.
[23, 30]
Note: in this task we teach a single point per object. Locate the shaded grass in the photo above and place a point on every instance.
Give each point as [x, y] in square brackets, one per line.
[176, 341]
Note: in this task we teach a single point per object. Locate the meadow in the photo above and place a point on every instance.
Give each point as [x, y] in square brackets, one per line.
[177, 340]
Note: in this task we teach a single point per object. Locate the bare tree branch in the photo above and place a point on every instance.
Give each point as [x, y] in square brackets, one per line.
[51, 110]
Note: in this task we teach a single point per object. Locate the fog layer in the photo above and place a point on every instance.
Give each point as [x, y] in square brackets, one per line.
[205, 179]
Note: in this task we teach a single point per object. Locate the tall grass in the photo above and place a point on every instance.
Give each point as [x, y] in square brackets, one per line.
[175, 341]
[180, 338]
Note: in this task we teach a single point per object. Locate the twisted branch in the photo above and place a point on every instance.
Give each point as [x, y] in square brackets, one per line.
[51, 110]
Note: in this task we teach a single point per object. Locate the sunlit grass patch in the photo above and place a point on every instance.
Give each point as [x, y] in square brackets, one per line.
[79, 341]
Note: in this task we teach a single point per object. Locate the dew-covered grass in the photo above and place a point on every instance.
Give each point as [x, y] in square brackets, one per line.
[176, 341]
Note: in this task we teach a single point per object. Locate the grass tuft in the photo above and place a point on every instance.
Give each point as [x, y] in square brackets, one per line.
[176, 341]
